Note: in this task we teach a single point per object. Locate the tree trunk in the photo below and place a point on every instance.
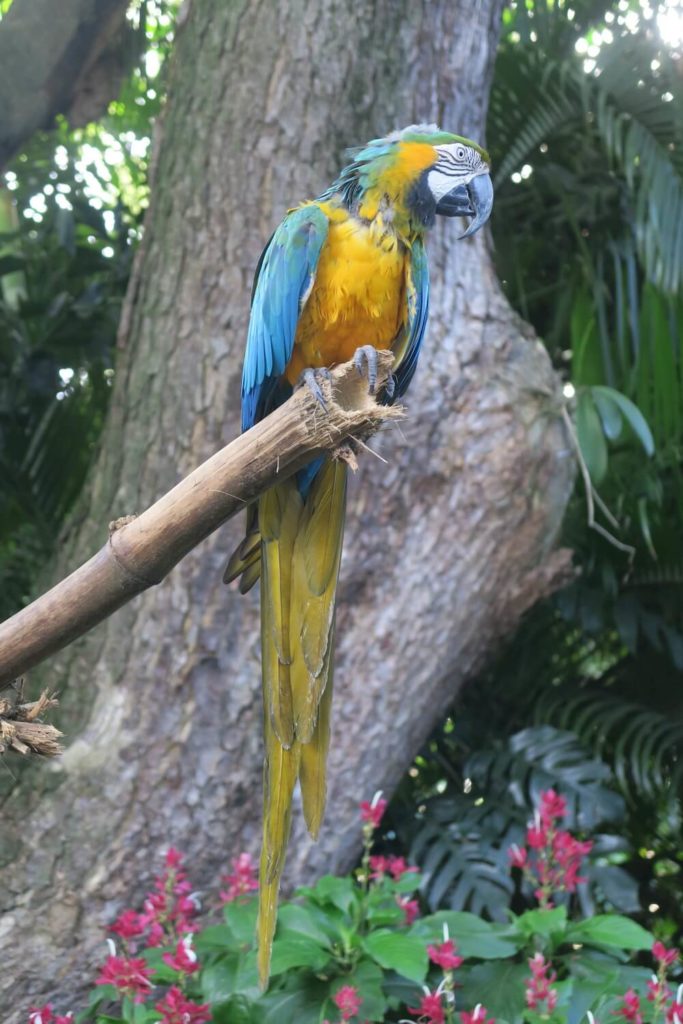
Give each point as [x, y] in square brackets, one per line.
[447, 540]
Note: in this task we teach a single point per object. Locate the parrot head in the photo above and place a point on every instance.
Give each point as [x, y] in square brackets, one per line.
[416, 174]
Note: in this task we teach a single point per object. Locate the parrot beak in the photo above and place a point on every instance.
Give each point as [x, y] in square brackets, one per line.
[473, 200]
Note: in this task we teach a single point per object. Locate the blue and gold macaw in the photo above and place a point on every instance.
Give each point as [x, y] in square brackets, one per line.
[342, 276]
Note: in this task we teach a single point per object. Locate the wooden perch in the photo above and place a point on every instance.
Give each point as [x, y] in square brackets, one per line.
[142, 550]
[20, 728]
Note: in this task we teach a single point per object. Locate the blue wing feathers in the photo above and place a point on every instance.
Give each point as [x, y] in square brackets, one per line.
[418, 310]
[285, 273]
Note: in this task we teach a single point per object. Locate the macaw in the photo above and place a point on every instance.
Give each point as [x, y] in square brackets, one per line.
[343, 275]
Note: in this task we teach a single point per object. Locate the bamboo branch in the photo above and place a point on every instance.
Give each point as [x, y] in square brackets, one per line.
[142, 550]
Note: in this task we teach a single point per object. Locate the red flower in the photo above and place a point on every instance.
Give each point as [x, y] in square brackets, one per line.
[128, 925]
[478, 1016]
[410, 908]
[538, 986]
[44, 1015]
[128, 975]
[398, 867]
[184, 959]
[444, 955]
[630, 1007]
[373, 812]
[553, 806]
[674, 1014]
[379, 866]
[658, 991]
[663, 955]
[348, 1001]
[176, 1009]
[430, 1009]
[242, 881]
[518, 856]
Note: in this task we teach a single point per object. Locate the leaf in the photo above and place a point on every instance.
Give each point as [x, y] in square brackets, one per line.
[591, 438]
[499, 986]
[216, 936]
[292, 950]
[610, 415]
[632, 413]
[610, 930]
[300, 1000]
[341, 892]
[472, 936]
[237, 1010]
[396, 951]
[548, 923]
[592, 979]
[368, 978]
[306, 920]
[218, 980]
[241, 920]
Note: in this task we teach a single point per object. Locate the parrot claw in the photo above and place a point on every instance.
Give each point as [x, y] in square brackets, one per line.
[366, 356]
[390, 386]
[311, 379]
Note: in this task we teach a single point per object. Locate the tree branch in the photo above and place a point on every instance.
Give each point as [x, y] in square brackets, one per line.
[142, 550]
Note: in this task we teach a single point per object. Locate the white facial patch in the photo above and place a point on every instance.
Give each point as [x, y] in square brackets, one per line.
[456, 165]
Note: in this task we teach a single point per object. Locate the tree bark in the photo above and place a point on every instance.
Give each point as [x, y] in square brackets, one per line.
[448, 541]
[68, 62]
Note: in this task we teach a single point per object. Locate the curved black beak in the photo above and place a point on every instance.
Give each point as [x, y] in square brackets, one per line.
[473, 200]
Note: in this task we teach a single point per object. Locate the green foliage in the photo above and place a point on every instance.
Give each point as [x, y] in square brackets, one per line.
[70, 216]
[462, 838]
[327, 943]
[587, 158]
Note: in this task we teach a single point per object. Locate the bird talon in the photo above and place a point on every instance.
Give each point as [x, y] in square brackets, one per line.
[311, 378]
[366, 356]
[390, 386]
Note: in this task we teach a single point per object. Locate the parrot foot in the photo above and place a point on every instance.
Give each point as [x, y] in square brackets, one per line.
[311, 379]
[365, 360]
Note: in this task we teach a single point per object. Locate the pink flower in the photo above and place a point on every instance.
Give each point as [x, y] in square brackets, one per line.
[175, 1008]
[430, 1009]
[44, 1015]
[128, 925]
[538, 986]
[128, 975]
[169, 910]
[674, 1014]
[379, 866]
[553, 806]
[658, 991]
[478, 1016]
[398, 867]
[242, 881]
[630, 1007]
[444, 955]
[665, 956]
[518, 856]
[348, 1001]
[372, 813]
[410, 908]
[184, 959]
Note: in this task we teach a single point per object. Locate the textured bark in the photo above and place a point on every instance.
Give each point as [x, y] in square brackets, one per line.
[66, 61]
[447, 543]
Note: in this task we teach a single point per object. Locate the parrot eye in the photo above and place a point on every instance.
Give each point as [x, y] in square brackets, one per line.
[460, 152]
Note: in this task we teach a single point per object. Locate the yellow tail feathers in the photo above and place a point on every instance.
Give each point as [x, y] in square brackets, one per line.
[301, 542]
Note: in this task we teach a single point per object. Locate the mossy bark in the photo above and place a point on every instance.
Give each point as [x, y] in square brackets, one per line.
[448, 541]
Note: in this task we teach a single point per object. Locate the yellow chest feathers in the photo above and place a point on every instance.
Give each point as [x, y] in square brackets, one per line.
[358, 297]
